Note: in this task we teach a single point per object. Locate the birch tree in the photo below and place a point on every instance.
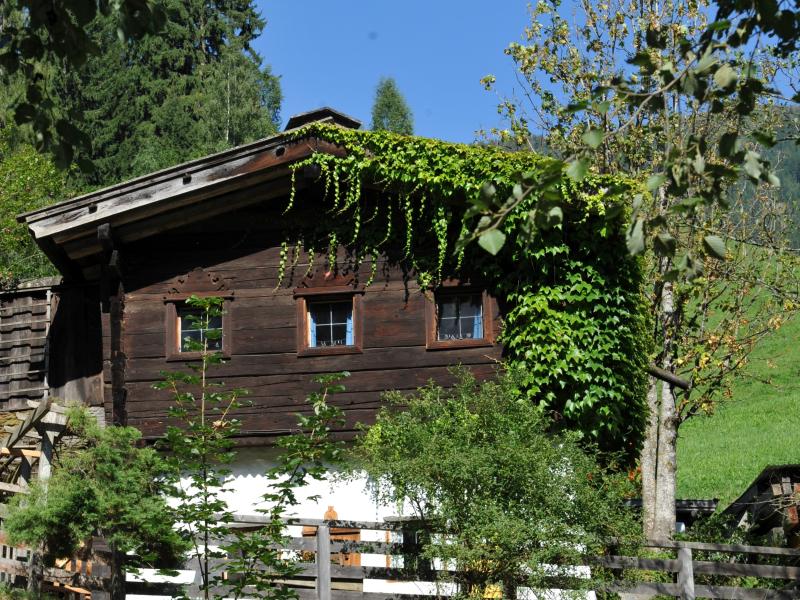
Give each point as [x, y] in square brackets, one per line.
[584, 89]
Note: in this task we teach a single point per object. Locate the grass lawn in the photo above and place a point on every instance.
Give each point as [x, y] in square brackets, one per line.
[720, 455]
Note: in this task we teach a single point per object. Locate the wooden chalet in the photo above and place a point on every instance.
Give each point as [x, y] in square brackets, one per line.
[131, 254]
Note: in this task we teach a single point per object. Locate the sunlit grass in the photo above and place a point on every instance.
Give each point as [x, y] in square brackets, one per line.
[720, 455]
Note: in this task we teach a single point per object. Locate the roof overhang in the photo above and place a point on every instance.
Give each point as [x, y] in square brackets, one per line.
[762, 505]
[68, 232]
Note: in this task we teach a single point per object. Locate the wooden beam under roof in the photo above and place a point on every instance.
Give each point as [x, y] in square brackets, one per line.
[169, 189]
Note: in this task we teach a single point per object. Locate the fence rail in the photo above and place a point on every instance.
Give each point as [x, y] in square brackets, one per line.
[327, 578]
[331, 568]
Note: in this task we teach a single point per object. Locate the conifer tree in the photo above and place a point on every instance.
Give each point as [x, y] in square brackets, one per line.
[110, 487]
[390, 112]
[196, 88]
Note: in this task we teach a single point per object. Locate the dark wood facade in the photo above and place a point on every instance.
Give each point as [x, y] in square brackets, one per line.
[237, 256]
[134, 252]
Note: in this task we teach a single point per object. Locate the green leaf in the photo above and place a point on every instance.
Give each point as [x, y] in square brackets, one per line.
[577, 106]
[655, 181]
[614, 210]
[488, 191]
[664, 244]
[642, 59]
[707, 61]
[765, 138]
[577, 169]
[714, 246]
[728, 144]
[492, 241]
[593, 138]
[689, 83]
[555, 216]
[752, 164]
[719, 25]
[635, 237]
[686, 205]
[602, 107]
[24, 113]
[725, 77]
[699, 164]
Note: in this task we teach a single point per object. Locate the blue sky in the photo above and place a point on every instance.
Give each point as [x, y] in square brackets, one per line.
[332, 53]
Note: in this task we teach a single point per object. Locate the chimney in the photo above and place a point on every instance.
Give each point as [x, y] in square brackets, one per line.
[323, 115]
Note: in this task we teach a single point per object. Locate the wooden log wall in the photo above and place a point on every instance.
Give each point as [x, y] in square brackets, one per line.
[50, 345]
[24, 324]
[242, 250]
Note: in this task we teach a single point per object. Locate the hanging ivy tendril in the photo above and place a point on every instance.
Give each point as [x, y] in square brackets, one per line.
[574, 316]
[282, 263]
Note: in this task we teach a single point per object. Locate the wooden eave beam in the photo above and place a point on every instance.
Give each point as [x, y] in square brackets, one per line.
[169, 189]
[157, 222]
[16, 452]
[13, 488]
[28, 423]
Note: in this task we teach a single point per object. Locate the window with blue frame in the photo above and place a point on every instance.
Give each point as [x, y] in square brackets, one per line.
[459, 317]
[330, 323]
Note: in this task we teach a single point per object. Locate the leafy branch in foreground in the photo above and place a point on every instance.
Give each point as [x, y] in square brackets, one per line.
[39, 37]
[480, 463]
[109, 487]
[235, 563]
[201, 447]
[693, 88]
[255, 557]
[640, 88]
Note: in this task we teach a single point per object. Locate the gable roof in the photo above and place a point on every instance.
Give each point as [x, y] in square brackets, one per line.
[68, 231]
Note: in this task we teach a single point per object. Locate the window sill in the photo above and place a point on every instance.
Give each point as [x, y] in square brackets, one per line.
[329, 351]
[456, 344]
[190, 356]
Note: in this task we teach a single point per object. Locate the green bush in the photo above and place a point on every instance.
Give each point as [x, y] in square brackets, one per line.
[479, 461]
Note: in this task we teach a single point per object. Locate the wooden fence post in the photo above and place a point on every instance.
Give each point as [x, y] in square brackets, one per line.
[685, 574]
[323, 562]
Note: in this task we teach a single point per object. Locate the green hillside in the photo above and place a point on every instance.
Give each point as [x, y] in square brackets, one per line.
[718, 456]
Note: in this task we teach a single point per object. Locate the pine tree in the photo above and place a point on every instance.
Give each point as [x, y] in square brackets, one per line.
[390, 111]
[195, 89]
[110, 487]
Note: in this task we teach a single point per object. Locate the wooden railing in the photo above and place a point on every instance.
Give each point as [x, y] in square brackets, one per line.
[390, 566]
[79, 579]
[691, 577]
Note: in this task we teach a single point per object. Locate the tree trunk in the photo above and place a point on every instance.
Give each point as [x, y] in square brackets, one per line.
[657, 461]
[664, 514]
[664, 522]
[35, 572]
[648, 459]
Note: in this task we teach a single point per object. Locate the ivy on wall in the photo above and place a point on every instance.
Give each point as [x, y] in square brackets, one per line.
[575, 325]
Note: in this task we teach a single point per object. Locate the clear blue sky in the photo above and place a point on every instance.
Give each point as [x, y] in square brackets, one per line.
[332, 53]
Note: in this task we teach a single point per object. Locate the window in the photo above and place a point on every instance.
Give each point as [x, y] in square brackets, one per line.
[458, 317]
[184, 326]
[328, 323]
[192, 330]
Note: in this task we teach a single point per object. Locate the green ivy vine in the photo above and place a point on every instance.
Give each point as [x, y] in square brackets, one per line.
[575, 325]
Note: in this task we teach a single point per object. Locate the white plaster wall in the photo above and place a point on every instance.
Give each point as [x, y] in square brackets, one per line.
[350, 499]
[248, 484]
